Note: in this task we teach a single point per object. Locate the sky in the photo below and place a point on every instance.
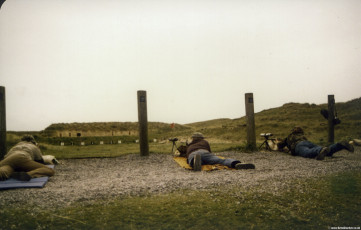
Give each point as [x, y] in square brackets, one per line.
[65, 61]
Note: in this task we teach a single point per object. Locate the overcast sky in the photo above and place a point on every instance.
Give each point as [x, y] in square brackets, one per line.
[84, 60]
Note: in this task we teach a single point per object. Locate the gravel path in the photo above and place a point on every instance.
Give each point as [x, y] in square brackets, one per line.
[87, 179]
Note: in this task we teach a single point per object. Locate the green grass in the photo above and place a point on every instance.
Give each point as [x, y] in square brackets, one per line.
[115, 150]
[306, 204]
[278, 121]
[281, 120]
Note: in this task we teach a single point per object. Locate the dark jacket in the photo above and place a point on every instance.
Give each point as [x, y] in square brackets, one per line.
[196, 145]
[292, 140]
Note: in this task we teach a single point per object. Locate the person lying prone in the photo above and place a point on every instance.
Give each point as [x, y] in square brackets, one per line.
[25, 161]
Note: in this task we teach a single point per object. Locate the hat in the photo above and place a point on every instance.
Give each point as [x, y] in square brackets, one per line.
[29, 138]
[197, 135]
[297, 130]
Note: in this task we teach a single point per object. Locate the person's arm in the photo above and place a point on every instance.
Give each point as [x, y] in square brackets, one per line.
[209, 147]
[38, 156]
[41, 161]
[282, 144]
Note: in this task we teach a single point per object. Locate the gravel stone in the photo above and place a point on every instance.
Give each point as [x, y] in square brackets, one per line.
[84, 180]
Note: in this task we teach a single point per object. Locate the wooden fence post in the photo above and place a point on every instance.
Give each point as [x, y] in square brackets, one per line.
[331, 116]
[143, 123]
[2, 123]
[251, 132]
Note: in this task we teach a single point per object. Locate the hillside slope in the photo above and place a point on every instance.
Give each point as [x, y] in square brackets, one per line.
[107, 129]
[278, 121]
[281, 120]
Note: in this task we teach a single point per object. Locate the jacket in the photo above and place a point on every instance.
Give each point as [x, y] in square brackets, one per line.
[28, 149]
[196, 145]
[291, 141]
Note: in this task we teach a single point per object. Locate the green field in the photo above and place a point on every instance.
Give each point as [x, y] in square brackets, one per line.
[278, 121]
[63, 152]
[331, 201]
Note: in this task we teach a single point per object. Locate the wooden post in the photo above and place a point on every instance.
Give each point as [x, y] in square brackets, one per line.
[251, 131]
[331, 116]
[2, 123]
[143, 123]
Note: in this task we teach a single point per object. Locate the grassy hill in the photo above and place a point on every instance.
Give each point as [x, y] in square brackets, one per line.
[106, 128]
[281, 120]
[278, 121]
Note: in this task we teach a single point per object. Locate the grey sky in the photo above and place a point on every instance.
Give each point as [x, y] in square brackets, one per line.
[84, 60]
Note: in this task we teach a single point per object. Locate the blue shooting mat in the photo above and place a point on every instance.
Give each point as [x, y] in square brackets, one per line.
[33, 183]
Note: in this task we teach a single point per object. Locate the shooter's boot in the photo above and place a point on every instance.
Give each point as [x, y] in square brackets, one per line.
[244, 166]
[347, 146]
[321, 155]
[22, 176]
[197, 164]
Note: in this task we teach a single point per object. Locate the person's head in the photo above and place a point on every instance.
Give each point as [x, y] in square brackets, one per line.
[297, 129]
[197, 136]
[29, 138]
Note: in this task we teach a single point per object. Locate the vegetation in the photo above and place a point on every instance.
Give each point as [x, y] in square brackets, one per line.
[281, 120]
[331, 201]
[278, 121]
[91, 151]
[224, 134]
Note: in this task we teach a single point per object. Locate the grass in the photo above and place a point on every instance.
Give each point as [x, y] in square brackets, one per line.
[307, 204]
[115, 150]
[278, 121]
[281, 120]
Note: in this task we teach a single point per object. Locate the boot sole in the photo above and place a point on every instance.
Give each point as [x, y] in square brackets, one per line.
[321, 156]
[197, 166]
[244, 166]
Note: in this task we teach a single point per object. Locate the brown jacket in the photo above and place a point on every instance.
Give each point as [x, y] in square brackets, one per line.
[196, 145]
[28, 149]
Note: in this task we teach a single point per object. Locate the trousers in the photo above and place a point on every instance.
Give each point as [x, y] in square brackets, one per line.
[208, 158]
[22, 163]
[310, 150]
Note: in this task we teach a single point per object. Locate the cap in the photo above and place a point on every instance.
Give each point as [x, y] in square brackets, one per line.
[197, 135]
[29, 138]
[297, 130]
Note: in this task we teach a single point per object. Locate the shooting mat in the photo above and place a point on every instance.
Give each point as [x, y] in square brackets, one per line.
[182, 161]
[33, 183]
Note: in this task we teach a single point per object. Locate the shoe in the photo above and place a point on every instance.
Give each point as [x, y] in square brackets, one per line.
[197, 164]
[244, 166]
[357, 142]
[347, 146]
[321, 155]
[23, 176]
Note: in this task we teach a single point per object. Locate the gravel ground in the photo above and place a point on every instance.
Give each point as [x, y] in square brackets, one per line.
[88, 179]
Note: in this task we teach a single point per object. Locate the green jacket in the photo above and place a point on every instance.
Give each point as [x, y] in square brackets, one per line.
[291, 141]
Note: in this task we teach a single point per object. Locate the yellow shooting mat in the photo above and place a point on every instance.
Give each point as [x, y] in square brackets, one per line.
[182, 161]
